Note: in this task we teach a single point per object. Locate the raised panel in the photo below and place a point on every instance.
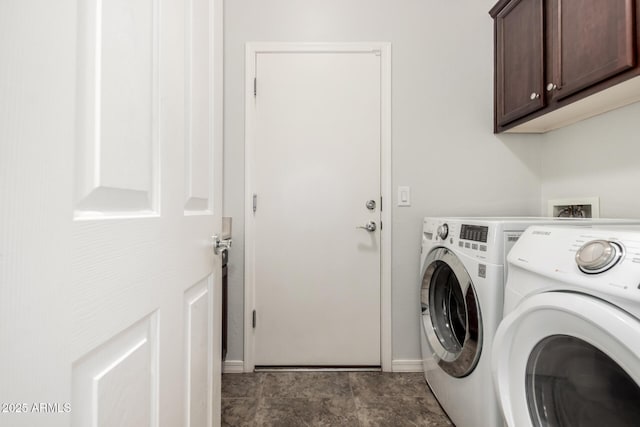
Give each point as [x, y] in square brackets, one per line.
[199, 113]
[117, 383]
[198, 317]
[519, 60]
[596, 41]
[116, 139]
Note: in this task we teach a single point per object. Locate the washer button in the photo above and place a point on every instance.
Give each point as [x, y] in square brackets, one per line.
[483, 248]
[482, 271]
[474, 246]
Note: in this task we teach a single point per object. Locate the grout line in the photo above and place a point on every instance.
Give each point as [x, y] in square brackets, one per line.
[355, 401]
[259, 397]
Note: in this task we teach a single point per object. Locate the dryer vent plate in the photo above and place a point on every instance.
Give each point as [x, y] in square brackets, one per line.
[585, 207]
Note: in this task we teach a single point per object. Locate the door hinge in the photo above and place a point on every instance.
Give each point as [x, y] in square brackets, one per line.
[255, 203]
[381, 224]
[255, 86]
[253, 321]
[380, 203]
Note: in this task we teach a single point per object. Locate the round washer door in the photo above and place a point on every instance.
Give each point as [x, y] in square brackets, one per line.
[563, 359]
[451, 320]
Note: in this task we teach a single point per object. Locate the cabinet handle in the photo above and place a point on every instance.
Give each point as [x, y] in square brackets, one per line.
[551, 86]
[534, 96]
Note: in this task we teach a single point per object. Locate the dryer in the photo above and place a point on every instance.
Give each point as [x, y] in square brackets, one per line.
[463, 272]
[568, 351]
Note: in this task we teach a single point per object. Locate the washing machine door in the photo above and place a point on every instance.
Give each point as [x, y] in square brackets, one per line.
[451, 320]
[564, 359]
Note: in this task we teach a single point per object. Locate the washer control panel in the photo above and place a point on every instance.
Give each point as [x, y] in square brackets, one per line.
[462, 235]
[443, 231]
[476, 233]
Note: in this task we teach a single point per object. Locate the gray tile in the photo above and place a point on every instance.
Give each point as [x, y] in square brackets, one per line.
[241, 385]
[306, 384]
[400, 411]
[374, 384]
[239, 411]
[327, 399]
[296, 412]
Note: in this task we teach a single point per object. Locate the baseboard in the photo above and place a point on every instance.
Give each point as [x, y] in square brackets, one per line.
[237, 366]
[233, 366]
[406, 365]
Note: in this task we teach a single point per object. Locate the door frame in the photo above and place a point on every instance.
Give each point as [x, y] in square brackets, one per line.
[384, 50]
[217, 134]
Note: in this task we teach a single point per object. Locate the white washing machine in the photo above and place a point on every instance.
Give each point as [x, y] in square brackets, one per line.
[568, 350]
[463, 275]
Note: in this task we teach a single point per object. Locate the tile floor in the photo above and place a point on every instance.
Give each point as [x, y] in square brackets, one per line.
[359, 399]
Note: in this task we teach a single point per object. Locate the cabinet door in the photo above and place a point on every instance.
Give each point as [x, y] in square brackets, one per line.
[593, 40]
[519, 60]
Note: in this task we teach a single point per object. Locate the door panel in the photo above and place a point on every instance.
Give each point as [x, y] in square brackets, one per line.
[198, 302]
[317, 163]
[199, 109]
[595, 40]
[117, 383]
[117, 139]
[109, 288]
[519, 60]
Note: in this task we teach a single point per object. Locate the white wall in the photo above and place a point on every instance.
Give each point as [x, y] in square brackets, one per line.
[597, 157]
[443, 145]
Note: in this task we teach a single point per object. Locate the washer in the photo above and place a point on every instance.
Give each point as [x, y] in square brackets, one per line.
[568, 350]
[462, 289]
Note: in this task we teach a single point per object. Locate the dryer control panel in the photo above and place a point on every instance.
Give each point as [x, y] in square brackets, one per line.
[597, 256]
[604, 262]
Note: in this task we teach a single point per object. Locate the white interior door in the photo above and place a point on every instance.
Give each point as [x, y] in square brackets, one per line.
[316, 142]
[109, 192]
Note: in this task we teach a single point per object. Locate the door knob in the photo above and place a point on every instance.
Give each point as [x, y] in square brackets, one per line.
[220, 245]
[534, 96]
[370, 226]
[551, 86]
[371, 204]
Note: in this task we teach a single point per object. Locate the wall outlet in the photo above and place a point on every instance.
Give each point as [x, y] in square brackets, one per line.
[580, 207]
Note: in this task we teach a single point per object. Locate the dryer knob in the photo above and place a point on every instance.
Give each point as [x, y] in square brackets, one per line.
[443, 231]
[597, 256]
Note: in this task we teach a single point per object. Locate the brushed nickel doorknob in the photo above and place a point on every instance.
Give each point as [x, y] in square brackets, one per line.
[370, 226]
[534, 96]
[220, 245]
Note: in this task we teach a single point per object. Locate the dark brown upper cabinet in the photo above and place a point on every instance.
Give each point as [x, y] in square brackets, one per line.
[519, 60]
[560, 61]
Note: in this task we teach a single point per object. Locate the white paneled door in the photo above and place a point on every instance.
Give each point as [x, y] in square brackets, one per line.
[110, 190]
[315, 170]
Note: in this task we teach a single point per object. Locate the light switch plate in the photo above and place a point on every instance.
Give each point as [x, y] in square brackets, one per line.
[404, 196]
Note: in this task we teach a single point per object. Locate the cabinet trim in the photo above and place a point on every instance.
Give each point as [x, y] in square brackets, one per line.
[620, 95]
